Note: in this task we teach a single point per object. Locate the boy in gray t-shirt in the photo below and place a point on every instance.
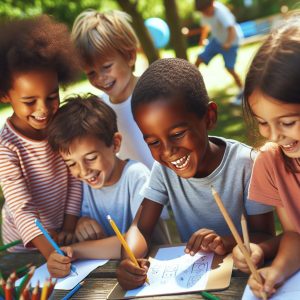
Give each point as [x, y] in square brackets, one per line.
[171, 107]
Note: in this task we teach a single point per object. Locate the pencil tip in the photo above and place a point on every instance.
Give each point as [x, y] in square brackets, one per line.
[108, 217]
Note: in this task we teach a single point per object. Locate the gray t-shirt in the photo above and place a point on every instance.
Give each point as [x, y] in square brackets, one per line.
[191, 199]
[120, 200]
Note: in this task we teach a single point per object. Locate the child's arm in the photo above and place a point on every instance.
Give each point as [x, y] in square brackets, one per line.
[89, 229]
[286, 263]
[231, 34]
[59, 265]
[138, 239]
[261, 227]
[204, 31]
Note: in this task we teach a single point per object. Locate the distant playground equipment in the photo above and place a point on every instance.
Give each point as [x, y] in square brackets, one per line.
[159, 31]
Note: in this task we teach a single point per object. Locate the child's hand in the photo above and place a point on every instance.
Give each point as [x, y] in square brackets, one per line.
[205, 240]
[60, 265]
[257, 257]
[130, 276]
[88, 229]
[272, 278]
[66, 238]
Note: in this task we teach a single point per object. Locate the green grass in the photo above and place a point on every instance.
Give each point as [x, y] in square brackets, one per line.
[219, 84]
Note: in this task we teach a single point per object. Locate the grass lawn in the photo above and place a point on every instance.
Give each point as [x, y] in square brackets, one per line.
[219, 84]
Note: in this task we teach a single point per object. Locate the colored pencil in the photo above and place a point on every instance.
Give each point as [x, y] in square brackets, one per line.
[8, 290]
[35, 293]
[24, 281]
[52, 242]
[14, 243]
[73, 291]
[123, 242]
[45, 290]
[209, 296]
[237, 237]
[23, 269]
[245, 233]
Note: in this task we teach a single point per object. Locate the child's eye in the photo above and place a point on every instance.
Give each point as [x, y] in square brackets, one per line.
[53, 97]
[30, 103]
[107, 66]
[91, 158]
[288, 124]
[152, 143]
[178, 135]
[70, 165]
[261, 123]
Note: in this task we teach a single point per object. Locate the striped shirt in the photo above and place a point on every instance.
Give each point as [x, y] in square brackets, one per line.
[36, 183]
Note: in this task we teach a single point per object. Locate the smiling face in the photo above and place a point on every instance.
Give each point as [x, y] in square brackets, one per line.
[113, 75]
[177, 139]
[91, 161]
[278, 122]
[34, 97]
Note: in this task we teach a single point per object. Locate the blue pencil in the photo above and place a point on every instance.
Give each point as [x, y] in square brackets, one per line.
[51, 241]
[72, 292]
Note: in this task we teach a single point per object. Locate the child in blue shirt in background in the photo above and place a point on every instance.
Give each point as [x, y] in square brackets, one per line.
[171, 107]
[85, 133]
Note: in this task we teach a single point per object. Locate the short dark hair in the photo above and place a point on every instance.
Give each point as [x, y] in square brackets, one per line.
[203, 4]
[81, 115]
[37, 43]
[172, 77]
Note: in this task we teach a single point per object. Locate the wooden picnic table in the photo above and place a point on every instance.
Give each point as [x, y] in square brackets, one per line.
[101, 281]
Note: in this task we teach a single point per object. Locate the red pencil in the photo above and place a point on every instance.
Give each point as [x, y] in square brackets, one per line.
[8, 290]
[35, 294]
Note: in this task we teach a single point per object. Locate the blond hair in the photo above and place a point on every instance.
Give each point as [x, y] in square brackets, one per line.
[98, 34]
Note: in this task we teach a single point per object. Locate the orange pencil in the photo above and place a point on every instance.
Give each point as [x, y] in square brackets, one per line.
[25, 293]
[36, 292]
[8, 290]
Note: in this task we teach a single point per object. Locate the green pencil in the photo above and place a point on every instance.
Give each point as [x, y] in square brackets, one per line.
[209, 296]
[14, 243]
[23, 269]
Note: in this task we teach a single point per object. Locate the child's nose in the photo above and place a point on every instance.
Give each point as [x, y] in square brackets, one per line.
[83, 170]
[275, 135]
[168, 149]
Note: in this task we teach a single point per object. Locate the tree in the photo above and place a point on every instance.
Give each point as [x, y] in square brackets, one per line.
[140, 29]
[177, 39]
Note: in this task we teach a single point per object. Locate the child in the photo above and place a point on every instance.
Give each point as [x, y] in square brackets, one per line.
[36, 56]
[272, 101]
[225, 37]
[107, 47]
[84, 131]
[171, 107]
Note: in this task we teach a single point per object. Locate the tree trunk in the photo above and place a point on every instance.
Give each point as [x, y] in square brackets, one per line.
[177, 39]
[140, 29]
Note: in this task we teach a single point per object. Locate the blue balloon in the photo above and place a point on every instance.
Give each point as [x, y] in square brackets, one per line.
[159, 31]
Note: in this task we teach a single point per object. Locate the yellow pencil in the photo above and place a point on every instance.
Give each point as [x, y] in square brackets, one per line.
[45, 290]
[123, 242]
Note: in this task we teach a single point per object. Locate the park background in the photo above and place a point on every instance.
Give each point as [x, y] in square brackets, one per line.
[183, 22]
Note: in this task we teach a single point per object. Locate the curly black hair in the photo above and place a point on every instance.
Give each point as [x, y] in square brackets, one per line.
[37, 43]
[172, 78]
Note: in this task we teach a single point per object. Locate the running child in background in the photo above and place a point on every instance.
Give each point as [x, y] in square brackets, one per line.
[36, 56]
[226, 35]
[272, 101]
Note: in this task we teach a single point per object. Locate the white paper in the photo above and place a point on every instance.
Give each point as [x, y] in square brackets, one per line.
[289, 291]
[172, 271]
[83, 268]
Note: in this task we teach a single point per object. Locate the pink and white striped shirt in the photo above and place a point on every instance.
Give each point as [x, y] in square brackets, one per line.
[36, 183]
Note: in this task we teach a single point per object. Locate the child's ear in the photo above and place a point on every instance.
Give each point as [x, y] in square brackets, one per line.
[211, 115]
[117, 140]
[131, 58]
